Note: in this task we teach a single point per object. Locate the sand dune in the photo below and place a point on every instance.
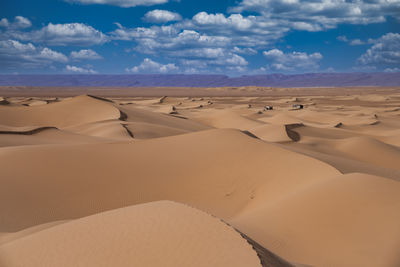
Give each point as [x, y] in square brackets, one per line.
[94, 181]
[152, 234]
[157, 168]
[371, 151]
[228, 119]
[143, 130]
[359, 210]
[113, 129]
[343, 164]
[135, 114]
[49, 136]
[78, 110]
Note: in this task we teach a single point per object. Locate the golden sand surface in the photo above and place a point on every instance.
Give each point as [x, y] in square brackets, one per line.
[200, 177]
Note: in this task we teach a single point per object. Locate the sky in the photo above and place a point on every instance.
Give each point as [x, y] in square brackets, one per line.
[232, 37]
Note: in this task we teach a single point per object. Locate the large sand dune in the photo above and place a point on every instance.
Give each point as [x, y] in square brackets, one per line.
[92, 181]
[151, 234]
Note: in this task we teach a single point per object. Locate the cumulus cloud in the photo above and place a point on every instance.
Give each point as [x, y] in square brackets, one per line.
[16, 54]
[384, 52]
[85, 54]
[357, 42]
[188, 47]
[222, 31]
[207, 60]
[167, 39]
[4, 23]
[47, 53]
[295, 61]
[392, 70]
[150, 66]
[121, 3]
[240, 34]
[204, 53]
[161, 16]
[75, 69]
[235, 21]
[321, 14]
[200, 42]
[244, 50]
[343, 38]
[21, 22]
[69, 34]
[231, 59]
[243, 30]
[18, 23]
[215, 40]
[364, 68]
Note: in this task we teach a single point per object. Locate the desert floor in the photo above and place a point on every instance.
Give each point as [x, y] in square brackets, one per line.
[199, 177]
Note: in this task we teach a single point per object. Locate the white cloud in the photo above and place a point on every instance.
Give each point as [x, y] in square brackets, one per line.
[321, 14]
[15, 47]
[237, 35]
[47, 53]
[21, 22]
[85, 54]
[295, 61]
[392, 70]
[189, 47]
[183, 43]
[225, 59]
[72, 34]
[235, 21]
[232, 59]
[356, 42]
[4, 22]
[205, 30]
[244, 50]
[384, 52]
[16, 54]
[342, 38]
[18, 23]
[121, 3]
[203, 53]
[252, 30]
[81, 70]
[154, 32]
[353, 42]
[161, 16]
[150, 66]
[212, 40]
[364, 68]
[165, 39]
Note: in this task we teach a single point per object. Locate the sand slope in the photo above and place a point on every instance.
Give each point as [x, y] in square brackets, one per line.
[152, 234]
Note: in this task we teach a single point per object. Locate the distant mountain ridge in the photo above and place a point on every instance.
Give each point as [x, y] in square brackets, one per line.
[182, 80]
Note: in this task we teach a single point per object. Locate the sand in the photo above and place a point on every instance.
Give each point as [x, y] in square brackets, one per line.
[201, 180]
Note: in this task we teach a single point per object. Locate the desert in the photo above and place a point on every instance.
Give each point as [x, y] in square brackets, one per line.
[244, 176]
[184, 133]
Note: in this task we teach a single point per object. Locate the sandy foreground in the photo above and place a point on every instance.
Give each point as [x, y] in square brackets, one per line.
[210, 178]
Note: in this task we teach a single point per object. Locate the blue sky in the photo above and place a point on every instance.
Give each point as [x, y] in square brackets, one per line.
[242, 37]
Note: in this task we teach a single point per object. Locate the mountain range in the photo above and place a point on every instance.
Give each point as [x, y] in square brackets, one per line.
[182, 80]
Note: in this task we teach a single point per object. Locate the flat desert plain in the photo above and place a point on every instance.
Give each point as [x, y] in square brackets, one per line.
[200, 177]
